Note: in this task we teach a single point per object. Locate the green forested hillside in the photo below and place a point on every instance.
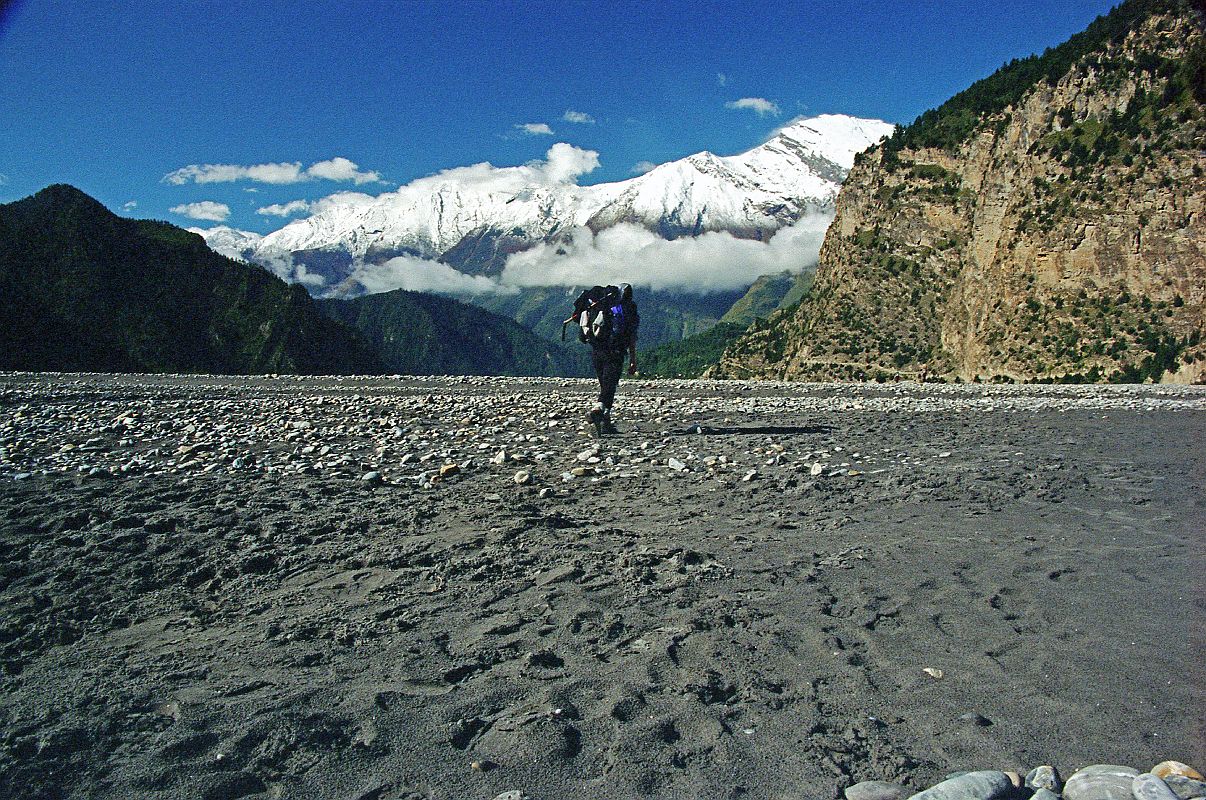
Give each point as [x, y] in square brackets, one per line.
[82, 289]
[954, 121]
[691, 356]
[422, 334]
[665, 316]
[769, 294]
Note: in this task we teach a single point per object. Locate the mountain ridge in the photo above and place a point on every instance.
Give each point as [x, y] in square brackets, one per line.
[86, 290]
[503, 210]
[1060, 237]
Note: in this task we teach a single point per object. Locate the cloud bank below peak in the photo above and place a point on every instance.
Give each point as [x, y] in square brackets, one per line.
[711, 262]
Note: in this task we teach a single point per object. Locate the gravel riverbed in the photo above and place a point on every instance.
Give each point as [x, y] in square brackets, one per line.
[376, 588]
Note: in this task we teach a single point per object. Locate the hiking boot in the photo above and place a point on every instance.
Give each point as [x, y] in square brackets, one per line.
[597, 418]
[606, 428]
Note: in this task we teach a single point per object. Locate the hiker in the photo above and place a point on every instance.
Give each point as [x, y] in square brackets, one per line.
[608, 321]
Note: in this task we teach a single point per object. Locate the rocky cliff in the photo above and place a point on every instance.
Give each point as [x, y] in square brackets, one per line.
[1045, 224]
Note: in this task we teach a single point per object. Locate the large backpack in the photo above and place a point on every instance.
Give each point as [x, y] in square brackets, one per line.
[603, 320]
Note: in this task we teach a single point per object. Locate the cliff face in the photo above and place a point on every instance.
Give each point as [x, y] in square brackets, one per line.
[1060, 236]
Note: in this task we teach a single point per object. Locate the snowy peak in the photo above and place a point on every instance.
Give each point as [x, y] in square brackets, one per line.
[486, 212]
[836, 137]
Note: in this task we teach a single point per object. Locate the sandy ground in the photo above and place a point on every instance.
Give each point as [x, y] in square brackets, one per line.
[202, 596]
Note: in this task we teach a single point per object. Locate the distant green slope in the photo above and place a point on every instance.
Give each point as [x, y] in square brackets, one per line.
[665, 316]
[422, 334]
[691, 356]
[768, 294]
[85, 290]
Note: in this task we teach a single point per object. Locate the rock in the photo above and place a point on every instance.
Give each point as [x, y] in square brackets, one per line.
[484, 765]
[979, 720]
[1014, 777]
[749, 476]
[1044, 794]
[499, 458]
[579, 472]
[1148, 787]
[448, 470]
[523, 477]
[371, 477]
[1186, 788]
[676, 465]
[816, 469]
[511, 794]
[1166, 768]
[986, 785]
[933, 672]
[1101, 782]
[545, 492]
[876, 790]
[1044, 777]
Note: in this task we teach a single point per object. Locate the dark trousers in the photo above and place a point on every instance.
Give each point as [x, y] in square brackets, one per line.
[608, 366]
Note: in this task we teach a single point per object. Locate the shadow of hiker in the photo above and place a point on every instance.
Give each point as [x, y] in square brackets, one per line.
[751, 430]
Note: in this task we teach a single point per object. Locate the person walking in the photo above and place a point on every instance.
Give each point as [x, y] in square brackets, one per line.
[615, 338]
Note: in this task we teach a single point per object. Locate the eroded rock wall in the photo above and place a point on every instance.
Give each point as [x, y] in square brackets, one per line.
[1063, 240]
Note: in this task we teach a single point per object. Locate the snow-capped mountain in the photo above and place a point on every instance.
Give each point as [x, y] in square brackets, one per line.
[471, 218]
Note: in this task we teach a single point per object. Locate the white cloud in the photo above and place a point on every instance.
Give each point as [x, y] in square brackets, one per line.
[577, 117]
[762, 106]
[206, 209]
[631, 254]
[641, 167]
[564, 163]
[341, 169]
[129, 205]
[341, 199]
[284, 209]
[535, 129]
[281, 173]
[285, 268]
[419, 275]
[722, 79]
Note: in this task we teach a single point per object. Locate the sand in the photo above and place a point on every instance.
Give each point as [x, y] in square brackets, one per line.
[199, 600]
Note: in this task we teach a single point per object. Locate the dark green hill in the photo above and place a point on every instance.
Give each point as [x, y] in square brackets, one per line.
[769, 294]
[422, 334]
[665, 316]
[86, 290]
[691, 356]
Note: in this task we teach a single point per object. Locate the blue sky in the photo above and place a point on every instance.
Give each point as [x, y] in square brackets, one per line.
[113, 97]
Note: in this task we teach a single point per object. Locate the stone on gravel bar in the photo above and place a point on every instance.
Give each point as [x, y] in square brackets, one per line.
[511, 794]
[1044, 777]
[1101, 782]
[972, 718]
[676, 465]
[1148, 787]
[1186, 788]
[1044, 794]
[1167, 768]
[876, 790]
[448, 470]
[985, 785]
[371, 477]
[523, 477]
